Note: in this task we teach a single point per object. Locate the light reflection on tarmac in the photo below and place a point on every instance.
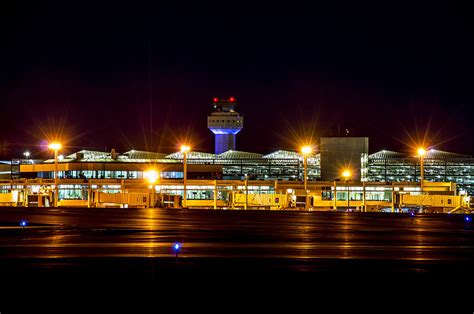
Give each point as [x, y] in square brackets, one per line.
[295, 241]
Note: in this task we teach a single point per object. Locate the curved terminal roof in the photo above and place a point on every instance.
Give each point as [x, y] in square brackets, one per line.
[140, 154]
[191, 155]
[386, 154]
[288, 154]
[136, 156]
[235, 154]
[283, 154]
[430, 154]
[439, 154]
[85, 155]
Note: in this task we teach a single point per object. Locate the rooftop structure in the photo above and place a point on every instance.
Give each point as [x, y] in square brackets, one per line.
[344, 153]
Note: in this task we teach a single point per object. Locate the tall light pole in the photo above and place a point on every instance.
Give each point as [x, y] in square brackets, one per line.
[421, 152]
[347, 175]
[55, 147]
[246, 191]
[151, 176]
[306, 150]
[185, 149]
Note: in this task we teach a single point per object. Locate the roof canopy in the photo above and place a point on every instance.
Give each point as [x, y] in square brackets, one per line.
[136, 156]
[430, 154]
[191, 155]
[235, 154]
[283, 154]
[140, 154]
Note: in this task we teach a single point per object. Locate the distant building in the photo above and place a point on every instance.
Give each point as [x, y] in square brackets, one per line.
[340, 153]
[225, 123]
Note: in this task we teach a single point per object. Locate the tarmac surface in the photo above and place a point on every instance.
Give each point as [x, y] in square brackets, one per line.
[92, 245]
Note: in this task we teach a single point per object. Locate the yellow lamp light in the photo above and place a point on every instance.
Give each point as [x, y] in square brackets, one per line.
[151, 176]
[306, 150]
[346, 174]
[421, 152]
[55, 146]
[185, 148]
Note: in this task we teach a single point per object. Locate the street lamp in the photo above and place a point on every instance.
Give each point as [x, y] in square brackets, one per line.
[246, 191]
[55, 147]
[347, 175]
[185, 149]
[151, 176]
[421, 152]
[306, 150]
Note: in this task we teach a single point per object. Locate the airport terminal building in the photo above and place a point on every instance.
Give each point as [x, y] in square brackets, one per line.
[227, 163]
[91, 176]
[281, 165]
[236, 179]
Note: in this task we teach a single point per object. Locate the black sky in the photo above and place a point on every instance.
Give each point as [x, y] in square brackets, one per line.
[381, 69]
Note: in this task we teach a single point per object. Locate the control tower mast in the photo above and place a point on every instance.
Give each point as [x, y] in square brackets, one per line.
[225, 123]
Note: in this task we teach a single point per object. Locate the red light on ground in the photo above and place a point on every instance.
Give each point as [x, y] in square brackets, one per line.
[216, 99]
[231, 99]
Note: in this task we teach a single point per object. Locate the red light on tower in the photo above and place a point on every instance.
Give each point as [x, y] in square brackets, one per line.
[231, 99]
[215, 99]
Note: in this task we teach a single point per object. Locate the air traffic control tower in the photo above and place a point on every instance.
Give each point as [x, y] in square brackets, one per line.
[225, 123]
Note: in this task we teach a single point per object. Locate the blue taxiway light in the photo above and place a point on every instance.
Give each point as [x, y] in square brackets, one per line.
[413, 214]
[467, 218]
[176, 247]
[23, 223]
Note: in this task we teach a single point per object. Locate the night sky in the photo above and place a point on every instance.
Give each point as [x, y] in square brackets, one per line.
[396, 72]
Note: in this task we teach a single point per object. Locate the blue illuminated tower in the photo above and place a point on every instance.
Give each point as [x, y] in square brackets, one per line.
[225, 123]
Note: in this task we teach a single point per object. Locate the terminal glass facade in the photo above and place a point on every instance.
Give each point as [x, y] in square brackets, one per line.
[439, 166]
